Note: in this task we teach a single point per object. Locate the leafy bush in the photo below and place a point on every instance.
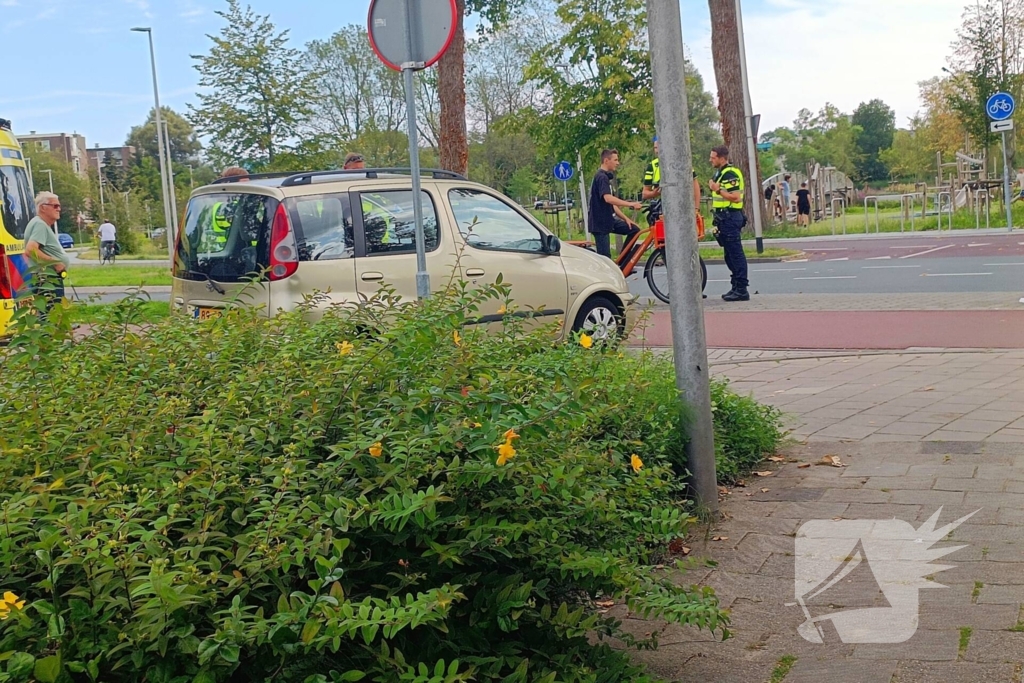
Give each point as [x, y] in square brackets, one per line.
[745, 431]
[375, 496]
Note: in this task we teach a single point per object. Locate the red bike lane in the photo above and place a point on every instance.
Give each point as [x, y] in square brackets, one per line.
[849, 329]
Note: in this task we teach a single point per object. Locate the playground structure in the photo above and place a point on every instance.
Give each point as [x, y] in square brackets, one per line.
[960, 184]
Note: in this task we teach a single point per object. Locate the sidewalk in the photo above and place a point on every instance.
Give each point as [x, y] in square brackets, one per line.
[915, 432]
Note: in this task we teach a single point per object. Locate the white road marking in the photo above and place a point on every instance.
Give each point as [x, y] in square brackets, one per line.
[922, 253]
[984, 244]
[845, 258]
[826, 249]
[878, 267]
[878, 258]
[908, 247]
[775, 270]
[990, 265]
[952, 274]
[831, 277]
[719, 280]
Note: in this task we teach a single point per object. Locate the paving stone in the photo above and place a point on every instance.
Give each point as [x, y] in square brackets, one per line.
[946, 471]
[833, 670]
[952, 447]
[986, 485]
[992, 594]
[952, 672]
[996, 646]
[908, 428]
[896, 483]
[926, 646]
[932, 497]
[854, 496]
[882, 511]
[982, 617]
[807, 511]
[1012, 500]
[887, 469]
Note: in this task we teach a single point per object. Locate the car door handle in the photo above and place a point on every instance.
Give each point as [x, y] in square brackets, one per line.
[372, 277]
[474, 272]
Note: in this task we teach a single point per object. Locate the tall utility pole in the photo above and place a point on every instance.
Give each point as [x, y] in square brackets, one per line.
[167, 186]
[751, 134]
[733, 99]
[170, 182]
[689, 342]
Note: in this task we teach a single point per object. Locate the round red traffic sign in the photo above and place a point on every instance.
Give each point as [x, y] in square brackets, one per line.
[411, 31]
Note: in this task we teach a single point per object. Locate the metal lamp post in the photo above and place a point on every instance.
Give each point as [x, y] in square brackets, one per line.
[169, 210]
[50, 174]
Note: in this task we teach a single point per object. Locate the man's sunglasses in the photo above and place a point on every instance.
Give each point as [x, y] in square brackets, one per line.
[56, 206]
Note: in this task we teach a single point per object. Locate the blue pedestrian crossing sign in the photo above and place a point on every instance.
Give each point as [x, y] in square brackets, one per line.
[563, 171]
[1000, 106]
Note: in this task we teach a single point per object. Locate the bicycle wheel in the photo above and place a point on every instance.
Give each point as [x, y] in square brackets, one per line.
[656, 274]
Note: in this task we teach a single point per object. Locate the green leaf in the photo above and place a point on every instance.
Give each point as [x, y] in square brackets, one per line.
[47, 670]
[20, 665]
[310, 630]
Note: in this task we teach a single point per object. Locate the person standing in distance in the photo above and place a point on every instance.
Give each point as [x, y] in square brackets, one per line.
[652, 187]
[728, 220]
[48, 258]
[606, 215]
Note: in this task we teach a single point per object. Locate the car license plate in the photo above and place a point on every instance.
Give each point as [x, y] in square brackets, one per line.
[204, 312]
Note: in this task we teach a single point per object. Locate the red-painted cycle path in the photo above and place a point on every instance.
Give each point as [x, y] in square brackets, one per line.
[852, 329]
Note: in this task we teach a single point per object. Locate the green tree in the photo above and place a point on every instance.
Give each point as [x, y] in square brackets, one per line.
[828, 138]
[256, 94]
[910, 157]
[877, 123]
[987, 58]
[72, 189]
[185, 145]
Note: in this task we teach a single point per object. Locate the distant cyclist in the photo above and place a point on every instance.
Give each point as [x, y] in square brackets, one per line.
[108, 239]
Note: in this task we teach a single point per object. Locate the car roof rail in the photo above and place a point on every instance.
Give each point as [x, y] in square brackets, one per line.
[252, 176]
[306, 177]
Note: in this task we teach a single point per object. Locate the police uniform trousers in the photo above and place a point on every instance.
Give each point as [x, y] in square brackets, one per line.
[730, 224]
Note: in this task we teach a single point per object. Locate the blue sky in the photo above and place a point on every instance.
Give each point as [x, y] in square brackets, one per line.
[73, 65]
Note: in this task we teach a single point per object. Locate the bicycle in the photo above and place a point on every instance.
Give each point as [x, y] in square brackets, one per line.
[108, 253]
[655, 270]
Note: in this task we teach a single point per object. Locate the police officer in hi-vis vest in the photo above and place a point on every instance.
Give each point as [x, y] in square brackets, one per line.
[728, 219]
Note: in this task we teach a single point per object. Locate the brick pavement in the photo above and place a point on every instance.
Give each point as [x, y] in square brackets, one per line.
[916, 432]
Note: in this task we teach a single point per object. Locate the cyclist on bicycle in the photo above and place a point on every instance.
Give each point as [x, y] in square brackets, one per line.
[652, 187]
[108, 238]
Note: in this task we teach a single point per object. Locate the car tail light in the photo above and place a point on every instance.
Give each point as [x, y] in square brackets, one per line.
[284, 255]
[6, 291]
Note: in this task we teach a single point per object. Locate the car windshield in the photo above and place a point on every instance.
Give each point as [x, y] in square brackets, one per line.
[226, 237]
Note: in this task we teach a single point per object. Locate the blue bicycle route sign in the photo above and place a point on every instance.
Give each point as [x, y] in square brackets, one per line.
[563, 171]
[1000, 106]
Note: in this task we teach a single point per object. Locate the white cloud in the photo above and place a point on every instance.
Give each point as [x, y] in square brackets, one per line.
[8, 3]
[803, 53]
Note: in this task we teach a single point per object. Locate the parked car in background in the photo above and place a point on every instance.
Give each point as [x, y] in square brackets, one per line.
[345, 234]
[66, 240]
[158, 233]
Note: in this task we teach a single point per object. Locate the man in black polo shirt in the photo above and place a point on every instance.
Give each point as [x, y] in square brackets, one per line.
[606, 215]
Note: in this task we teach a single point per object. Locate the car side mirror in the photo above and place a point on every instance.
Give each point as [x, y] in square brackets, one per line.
[551, 245]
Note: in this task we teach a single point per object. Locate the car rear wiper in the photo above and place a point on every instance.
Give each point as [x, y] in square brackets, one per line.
[210, 283]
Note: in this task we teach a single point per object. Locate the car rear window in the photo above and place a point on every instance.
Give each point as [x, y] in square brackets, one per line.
[226, 237]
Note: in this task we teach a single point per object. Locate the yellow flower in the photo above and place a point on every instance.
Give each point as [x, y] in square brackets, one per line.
[457, 338]
[377, 449]
[586, 341]
[344, 348]
[636, 462]
[505, 453]
[502, 310]
[509, 435]
[9, 602]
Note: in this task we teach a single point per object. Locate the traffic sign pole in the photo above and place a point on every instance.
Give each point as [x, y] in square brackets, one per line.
[1000, 109]
[565, 203]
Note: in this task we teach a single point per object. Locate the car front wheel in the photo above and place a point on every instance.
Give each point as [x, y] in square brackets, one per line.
[600, 319]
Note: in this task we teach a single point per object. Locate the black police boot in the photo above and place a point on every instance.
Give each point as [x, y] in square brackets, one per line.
[736, 295]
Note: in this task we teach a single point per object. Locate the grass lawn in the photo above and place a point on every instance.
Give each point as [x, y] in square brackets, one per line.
[149, 312]
[149, 250]
[119, 276]
[751, 252]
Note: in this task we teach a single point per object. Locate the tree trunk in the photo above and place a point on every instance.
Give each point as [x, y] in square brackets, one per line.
[725, 50]
[451, 86]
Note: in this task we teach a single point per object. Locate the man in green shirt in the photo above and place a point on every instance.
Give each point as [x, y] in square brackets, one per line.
[49, 260]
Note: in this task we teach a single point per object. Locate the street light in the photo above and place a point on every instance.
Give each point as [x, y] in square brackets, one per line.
[169, 210]
[49, 173]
